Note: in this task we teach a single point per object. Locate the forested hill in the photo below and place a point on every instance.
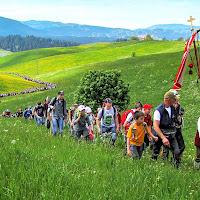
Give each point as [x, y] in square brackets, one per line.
[17, 43]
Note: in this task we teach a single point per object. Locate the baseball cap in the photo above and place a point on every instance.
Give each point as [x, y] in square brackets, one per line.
[81, 108]
[61, 92]
[172, 95]
[75, 104]
[147, 106]
[108, 100]
[30, 107]
[88, 110]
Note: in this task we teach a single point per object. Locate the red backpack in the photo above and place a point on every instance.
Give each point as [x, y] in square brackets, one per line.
[125, 114]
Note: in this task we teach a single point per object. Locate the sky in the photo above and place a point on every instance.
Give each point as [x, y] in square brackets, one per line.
[130, 14]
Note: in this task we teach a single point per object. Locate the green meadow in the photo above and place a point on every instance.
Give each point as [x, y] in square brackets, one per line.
[35, 165]
[12, 83]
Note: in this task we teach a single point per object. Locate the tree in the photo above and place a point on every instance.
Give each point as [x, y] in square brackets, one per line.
[134, 38]
[96, 86]
[181, 39]
[149, 38]
[121, 40]
[164, 39]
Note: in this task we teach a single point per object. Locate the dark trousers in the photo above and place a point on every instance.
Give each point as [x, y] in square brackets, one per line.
[180, 140]
[146, 140]
[174, 148]
[181, 144]
[83, 133]
[197, 159]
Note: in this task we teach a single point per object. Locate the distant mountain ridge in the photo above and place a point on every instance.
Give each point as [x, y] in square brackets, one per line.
[87, 33]
[10, 26]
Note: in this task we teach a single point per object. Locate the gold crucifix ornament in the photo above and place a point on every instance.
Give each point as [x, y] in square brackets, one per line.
[190, 20]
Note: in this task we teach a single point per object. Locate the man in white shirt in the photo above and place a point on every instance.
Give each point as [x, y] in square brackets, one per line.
[164, 118]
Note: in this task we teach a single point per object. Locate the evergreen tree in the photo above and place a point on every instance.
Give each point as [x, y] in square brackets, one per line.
[16, 43]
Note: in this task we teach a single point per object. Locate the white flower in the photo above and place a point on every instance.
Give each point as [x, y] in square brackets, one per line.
[13, 141]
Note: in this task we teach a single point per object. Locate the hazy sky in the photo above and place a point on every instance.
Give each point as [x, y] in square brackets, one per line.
[129, 14]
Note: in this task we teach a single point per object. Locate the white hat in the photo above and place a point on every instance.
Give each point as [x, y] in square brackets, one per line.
[88, 110]
[81, 108]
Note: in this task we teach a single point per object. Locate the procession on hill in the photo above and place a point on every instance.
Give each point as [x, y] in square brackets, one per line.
[138, 128]
[159, 135]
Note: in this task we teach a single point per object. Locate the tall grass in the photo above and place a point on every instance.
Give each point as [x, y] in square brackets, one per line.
[35, 165]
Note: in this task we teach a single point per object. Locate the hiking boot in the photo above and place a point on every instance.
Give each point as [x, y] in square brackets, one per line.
[196, 165]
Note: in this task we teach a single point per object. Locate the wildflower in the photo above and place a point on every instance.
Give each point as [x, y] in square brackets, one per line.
[94, 172]
[13, 141]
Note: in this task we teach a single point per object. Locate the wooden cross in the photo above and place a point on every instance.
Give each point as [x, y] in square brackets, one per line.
[190, 20]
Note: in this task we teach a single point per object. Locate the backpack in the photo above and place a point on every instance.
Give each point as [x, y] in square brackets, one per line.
[103, 110]
[85, 115]
[134, 135]
[125, 114]
[54, 101]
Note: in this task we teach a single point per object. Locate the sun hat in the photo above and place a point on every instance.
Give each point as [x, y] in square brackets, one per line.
[171, 95]
[81, 108]
[88, 110]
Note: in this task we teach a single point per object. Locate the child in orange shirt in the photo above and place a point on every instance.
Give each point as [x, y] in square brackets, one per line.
[136, 134]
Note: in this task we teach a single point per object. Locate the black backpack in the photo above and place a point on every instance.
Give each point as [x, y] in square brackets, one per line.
[54, 101]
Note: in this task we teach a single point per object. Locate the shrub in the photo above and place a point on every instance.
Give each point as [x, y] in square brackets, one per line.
[96, 86]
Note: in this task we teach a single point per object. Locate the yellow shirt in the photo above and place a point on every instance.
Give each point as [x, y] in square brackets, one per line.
[137, 133]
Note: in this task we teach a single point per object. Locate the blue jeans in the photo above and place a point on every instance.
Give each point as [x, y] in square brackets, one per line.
[40, 121]
[57, 124]
[35, 118]
[111, 130]
[136, 151]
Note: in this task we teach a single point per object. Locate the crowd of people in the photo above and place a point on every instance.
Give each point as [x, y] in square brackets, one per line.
[162, 134]
[48, 86]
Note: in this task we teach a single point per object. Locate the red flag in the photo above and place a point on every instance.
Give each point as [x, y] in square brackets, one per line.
[179, 77]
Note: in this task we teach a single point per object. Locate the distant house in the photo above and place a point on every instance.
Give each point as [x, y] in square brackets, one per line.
[142, 37]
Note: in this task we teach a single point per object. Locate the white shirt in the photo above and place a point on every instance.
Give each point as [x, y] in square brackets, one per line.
[157, 115]
[129, 117]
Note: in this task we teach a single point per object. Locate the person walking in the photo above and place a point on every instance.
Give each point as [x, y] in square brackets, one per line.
[109, 121]
[164, 126]
[58, 105]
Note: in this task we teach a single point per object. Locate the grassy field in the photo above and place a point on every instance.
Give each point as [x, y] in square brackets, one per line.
[35, 165]
[11, 83]
[80, 56]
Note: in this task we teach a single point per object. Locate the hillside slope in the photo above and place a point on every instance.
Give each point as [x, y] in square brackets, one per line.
[56, 59]
[31, 158]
